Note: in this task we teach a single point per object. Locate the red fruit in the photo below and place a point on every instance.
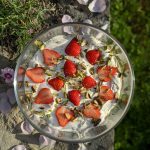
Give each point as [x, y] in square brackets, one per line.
[57, 83]
[113, 71]
[73, 48]
[106, 93]
[93, 56]
[44, 97]
[91, 111]
[70, 68]
[64, 115]
[50, 57]
[36, 74]
[106, 73]
[88, 82]
[74, 96]
[21, 71]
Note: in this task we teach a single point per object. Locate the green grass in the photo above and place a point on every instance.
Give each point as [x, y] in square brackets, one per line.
[130, 24]
[20, 20]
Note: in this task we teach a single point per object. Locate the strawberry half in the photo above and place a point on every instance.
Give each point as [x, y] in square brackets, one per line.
[75, 97]
[70, 68]
[36, 74]
[50, 57]
[44, 97]
[57, 83]
[106, 93]
[106, 73]
[73, 48]
[93, 56]
[88, 82]
[91, 111]
[64, 115]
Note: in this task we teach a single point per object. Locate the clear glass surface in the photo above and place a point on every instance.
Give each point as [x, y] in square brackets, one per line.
[116, 114]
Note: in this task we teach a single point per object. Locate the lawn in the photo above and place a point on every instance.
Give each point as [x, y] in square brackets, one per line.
[130, 24]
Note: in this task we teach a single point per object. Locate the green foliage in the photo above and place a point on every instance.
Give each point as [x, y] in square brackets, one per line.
[20, 18]
[130, 24]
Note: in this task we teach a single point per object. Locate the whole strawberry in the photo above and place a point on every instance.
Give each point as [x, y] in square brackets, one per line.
[74, 96]
[73, 48]
[88, 82]
[57, 83]
[70, 68]
[93, 56]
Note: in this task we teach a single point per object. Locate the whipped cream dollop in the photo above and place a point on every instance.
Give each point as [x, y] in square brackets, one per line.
[59, 43]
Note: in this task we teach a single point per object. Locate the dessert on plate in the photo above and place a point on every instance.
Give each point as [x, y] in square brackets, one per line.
[74, 82]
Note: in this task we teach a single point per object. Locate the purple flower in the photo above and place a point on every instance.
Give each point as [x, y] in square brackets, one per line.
[8, 74]
[11, 96]
[5, 107]
[44, 141]
[97, 6]
[69, 29]
[66, 19]
[26, 127]
[6, 100]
